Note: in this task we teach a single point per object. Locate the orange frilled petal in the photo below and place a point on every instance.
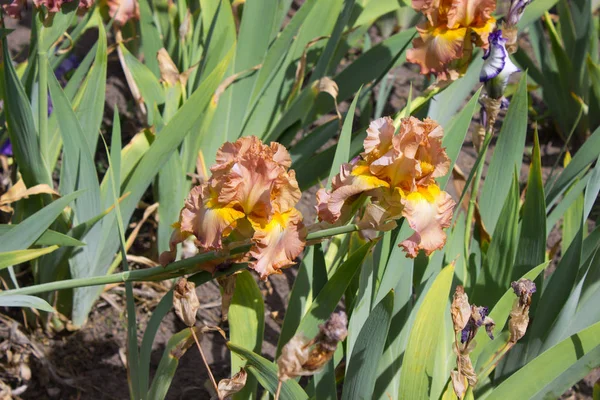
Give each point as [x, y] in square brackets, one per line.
[428, 211]
[434, 161]
[255, 178]
[379, 138]
[473, 13]
[203, 217]
[351, 181]
[436, 48]
[277, 242]
[167, 257]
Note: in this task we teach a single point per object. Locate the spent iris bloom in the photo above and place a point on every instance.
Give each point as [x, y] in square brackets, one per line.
[397, 172]
[497, 67]
[303, 357]
[251, 194]
[519, 314]
[446, 38]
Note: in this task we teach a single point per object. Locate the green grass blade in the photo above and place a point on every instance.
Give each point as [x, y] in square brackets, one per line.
[24, 301]
[582, 159]
[162, 309]
[15, 257]
[48, 237]
[21, 127]
[424, 337]
[252, 46]
[28, 231]
[150, 35]
[455, 132]
[537, 378]
[303, 293]
[266, 373]
[360, 378]
[89, 103]
[373, 64]
[329, 297]
[508, 155]
[497, 270]
[342, 151]
[531, 250]
[176, 347]
[246, 326]
[133, 363]
[591, 190]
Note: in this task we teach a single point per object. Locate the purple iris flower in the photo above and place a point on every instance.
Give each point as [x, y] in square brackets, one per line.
[68, 64]
[497, 67]
[515, 12]
[6, 148]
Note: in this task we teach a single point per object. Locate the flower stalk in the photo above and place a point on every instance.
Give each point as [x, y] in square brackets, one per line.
[173, 270]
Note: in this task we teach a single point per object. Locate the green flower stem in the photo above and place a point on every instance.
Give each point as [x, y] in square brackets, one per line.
[475, 192]
[43, 101]
[172, 270]
[494, 360]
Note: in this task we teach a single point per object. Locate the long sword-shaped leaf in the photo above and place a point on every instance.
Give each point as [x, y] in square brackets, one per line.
[342, 151]
[89, 103]
[498, 266]
[539, 378]
[266, 374]
[20, 256]
[360, 378]
[48, 238]
[176, 347]
[508, 155]
[21, 127]
[246, 326]
[332, 292]
[28, 231]
[423, 340]
[20, 300]
[531, 250]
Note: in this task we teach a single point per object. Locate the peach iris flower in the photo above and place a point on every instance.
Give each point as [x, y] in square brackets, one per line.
[397, 171]
[446, 38]
[250, 195]
[123, 10]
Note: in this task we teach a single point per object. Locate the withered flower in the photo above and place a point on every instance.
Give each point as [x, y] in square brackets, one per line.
[229, 387]
[458, 383]
[227, 284]
[479, 317]
[460, 309]
[465, 368]
[467, 320]
[519, 314]
[302, 357]
[524, 289]
[185, 301]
